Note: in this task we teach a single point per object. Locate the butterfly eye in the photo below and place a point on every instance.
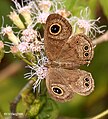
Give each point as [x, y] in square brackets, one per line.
[55, 29]
[57, 90]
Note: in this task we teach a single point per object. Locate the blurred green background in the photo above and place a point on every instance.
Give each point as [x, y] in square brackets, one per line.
[79, 107]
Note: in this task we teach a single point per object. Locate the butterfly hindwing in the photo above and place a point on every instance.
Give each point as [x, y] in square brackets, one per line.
[63, 83]
[57, 85]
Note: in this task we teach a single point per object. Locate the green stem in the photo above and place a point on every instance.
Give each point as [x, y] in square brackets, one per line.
[99, 116]
[26, 61]
[13, 104]
[20, 55]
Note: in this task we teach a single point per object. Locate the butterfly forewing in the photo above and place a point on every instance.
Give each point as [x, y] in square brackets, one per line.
[57, 32]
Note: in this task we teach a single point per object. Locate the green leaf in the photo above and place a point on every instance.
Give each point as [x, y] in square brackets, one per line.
[75, 6]
[70, 4]
[104, 5]
[36, 106]
[43, 108]
[49, 110]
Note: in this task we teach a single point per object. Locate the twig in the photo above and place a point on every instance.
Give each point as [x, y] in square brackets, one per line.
[14, 103]
[66, 118]
[10, 70]
[101, 115]
[102, 38]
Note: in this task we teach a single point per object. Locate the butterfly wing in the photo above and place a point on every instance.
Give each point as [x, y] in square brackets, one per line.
[57, 32]
[63, 83]
[78, 50]
[57, 85]
[83, 83]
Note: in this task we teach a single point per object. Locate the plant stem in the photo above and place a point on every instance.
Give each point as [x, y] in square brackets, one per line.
[101, 39]
[14, 103]
[10, 70]
[101, 115]
[26, 61]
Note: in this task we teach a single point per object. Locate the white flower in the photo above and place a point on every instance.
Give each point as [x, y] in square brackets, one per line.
[41, 72]
[63, 12]
[42, 17]
[36, 46]
[25, 11]
[11, 36]
[45, 5]
[23, 47]
[7, 30]
[16, 20]
[39, 69]
[29, 35]
[87, 26]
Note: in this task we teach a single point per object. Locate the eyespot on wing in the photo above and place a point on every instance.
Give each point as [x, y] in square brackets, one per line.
[57, 85]
[58, 21]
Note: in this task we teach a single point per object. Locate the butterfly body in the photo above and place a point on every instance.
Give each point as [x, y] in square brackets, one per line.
[65, 54]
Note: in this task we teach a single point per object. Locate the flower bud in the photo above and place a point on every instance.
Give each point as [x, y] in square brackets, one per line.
[11, 36]
[16, 20]
[25, 12]
[45, 5]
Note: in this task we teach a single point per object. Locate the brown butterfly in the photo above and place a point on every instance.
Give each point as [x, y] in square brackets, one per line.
[65, 54]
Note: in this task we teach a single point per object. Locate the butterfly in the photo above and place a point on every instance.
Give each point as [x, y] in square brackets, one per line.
[66, 53]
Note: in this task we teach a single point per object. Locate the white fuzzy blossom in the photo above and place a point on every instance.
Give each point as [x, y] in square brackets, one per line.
[36, 46]
[23, 47]
[10, 34]
[88, 26]
[38, 70]
[42, 17]
[29, 35]
[45, 5]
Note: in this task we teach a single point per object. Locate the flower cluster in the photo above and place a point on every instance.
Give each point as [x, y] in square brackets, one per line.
[86, 25]
[28, 44]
